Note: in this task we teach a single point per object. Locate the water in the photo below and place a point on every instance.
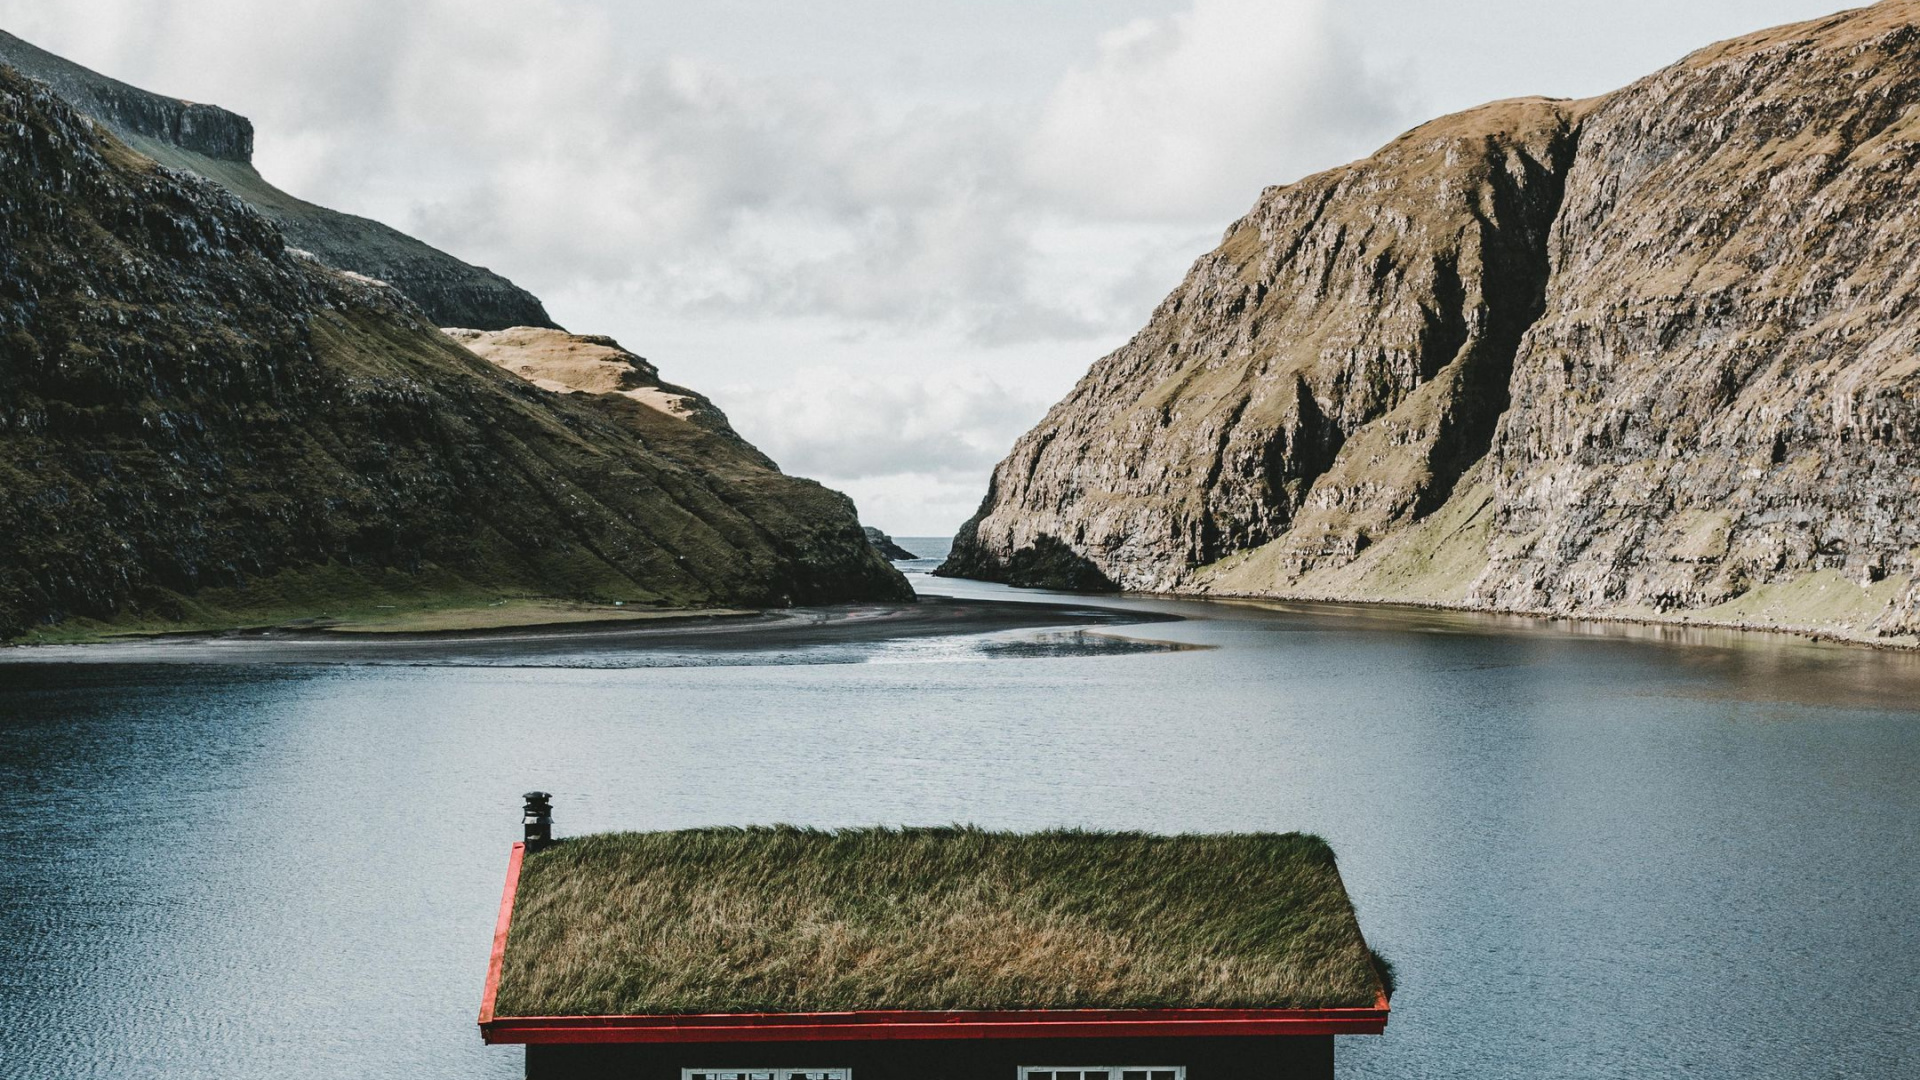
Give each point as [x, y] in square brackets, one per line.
[1591, 852]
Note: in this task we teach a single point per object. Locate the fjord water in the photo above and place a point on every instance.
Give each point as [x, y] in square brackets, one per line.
[1590, 851]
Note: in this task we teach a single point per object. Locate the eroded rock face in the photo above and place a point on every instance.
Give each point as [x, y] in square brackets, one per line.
[1653, 354]
[1721, 393]
[1325, 375]
[194, 418]
[218, 145]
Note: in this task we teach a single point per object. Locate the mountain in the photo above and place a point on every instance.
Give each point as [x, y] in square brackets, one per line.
[1650, 355]
[213, 143]
[201, 426]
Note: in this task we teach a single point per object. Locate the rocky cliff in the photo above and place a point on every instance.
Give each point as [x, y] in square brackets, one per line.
[886, 546]
[218, 145]
[200, 425]
[1650, 355]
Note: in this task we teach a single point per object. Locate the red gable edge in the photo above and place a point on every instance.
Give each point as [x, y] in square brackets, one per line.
[895, 1023]
[500, 928]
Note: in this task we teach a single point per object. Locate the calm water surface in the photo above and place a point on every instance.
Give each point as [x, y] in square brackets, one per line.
[1590, 852]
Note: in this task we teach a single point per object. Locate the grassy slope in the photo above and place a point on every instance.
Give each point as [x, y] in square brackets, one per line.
[453, 292]
[350, 600]
[198, 429]
[1433, 561]
[784, 919]
[177, 134]
[1436, 561]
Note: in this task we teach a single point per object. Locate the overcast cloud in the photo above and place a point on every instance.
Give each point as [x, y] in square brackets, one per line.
[883, 236]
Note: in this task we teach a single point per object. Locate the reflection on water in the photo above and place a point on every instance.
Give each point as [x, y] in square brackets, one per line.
[1589, 852]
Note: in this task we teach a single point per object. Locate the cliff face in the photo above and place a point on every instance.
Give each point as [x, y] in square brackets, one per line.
[198, 424]
[1721, 393]
[1327, 373]
[1655, 354]
[218, 145]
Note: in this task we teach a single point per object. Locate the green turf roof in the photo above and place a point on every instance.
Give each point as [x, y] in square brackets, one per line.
[796, 920]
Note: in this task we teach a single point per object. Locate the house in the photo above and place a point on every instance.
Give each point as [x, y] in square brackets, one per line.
[919, 954]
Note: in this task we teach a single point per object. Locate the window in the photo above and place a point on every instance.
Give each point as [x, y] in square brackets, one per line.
[766, 1074]
[1103, 1073]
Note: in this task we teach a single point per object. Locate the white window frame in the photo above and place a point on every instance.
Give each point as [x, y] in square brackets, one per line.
[776, 1073]
[1112, 1071]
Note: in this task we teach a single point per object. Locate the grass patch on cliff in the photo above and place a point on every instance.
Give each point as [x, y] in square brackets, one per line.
[1432, 562]
[1823, 601]
[800, 920]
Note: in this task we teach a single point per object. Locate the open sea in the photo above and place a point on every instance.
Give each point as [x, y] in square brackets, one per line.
[1590, 850]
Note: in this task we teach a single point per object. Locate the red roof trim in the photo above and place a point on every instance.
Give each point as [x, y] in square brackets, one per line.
[897, 1024]
[500, 928]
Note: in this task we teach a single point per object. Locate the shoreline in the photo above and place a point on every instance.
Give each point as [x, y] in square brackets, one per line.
[730, 630]
[1811, 634]
[717, 632]
[361, 632]
[383, 621]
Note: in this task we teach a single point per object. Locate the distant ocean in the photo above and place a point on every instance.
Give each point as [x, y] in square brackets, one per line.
[931, 549]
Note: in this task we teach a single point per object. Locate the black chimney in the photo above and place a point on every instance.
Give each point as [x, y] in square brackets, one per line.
[538, 818]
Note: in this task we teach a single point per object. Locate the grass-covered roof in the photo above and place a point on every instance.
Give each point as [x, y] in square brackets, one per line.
[799, 920]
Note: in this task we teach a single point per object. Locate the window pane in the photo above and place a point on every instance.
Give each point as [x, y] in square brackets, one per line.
[766, 1074]
[1101, 1072]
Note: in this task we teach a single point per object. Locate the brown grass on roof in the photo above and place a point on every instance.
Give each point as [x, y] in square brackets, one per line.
[799, 920]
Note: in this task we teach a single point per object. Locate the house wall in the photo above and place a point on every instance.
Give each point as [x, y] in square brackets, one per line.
[1243, 1058]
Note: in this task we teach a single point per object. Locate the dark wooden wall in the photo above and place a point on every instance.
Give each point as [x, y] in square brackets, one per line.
[1269, 1058]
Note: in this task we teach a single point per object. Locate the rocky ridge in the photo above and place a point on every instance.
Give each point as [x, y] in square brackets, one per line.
[1651, 355]
[200, 426]
[217, 145]
[589, 364]
[885, 545]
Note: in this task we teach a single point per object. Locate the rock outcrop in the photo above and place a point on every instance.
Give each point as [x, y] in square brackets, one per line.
[589, 364]
[200, 425]
[217, 145]
[884, 544]
[1650, 355]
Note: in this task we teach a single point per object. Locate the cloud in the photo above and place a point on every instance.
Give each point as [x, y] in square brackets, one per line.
[533, 138]
[727, 195]
[826, 421]
[913, 450]
[1199, 110]
[913, 504]
[639, 179]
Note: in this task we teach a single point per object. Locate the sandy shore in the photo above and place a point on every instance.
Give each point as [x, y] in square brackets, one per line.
[932, 616]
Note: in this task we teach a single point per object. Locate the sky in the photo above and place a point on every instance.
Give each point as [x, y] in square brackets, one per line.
[883, 236]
